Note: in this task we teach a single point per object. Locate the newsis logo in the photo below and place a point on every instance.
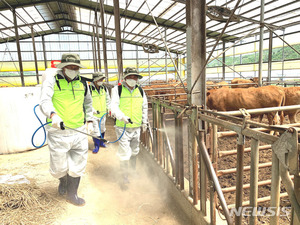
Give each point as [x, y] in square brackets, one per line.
[261, 211]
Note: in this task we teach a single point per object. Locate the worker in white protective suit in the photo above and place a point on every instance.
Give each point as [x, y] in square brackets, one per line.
[66, 100]
[101, 107]
[129, 105]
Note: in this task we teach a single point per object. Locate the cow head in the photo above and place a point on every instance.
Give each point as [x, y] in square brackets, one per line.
[276, 119]
[254, 79]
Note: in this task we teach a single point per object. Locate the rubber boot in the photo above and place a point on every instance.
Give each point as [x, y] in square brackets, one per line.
[97, 145]
[72, 187]
[124, 174]
[62, 187]
[102, 142]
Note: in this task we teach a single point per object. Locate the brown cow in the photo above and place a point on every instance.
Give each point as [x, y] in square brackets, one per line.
[292, 97]
[168, 91]
[227, 99]
[209, 84]
[214, 85]
[157, 89]
[222, 84]
[244, 83]
[154, 82]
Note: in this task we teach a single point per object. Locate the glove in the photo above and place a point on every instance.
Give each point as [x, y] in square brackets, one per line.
[56, 120]
[90, 128]
[144, 127]
[125, 119]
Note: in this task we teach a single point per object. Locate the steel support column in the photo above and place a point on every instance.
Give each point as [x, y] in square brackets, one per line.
[94, 51]
[18, 47]
[179, 150]
[188, 75]
[194, 156]
[254, 180]
[159, 136]
[199, 50]
[223, 62]
[214, 157]
[104, 40]
[166, 57]
[35, 57]
[198, 97]
[118, 39]
[149, 74]
[261, 42]
[44, 52]
[270, 56]
[177, 66]
[239, 179]
[275, 188]
[137, 57]
[98, 42]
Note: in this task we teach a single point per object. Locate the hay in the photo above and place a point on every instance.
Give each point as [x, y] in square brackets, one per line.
[27, 204]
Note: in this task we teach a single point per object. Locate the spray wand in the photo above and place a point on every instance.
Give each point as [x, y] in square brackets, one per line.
[63, 127]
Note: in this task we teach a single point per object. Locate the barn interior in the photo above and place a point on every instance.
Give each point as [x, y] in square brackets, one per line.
[218, 164]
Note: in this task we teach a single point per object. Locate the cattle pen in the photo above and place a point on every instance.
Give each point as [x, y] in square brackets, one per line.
[194, 167]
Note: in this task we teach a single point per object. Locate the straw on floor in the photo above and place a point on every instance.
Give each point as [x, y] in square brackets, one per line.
[27, 204]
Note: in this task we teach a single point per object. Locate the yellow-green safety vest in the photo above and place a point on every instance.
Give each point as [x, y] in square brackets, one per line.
[99, 100]
[68, 99]
[131, 104]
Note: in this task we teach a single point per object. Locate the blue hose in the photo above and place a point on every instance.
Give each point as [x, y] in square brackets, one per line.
[101, 132]
[42, 125]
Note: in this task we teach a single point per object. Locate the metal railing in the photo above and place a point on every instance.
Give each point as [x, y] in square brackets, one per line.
[200, 167]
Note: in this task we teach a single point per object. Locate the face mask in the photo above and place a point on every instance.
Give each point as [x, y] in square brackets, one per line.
[131, 82]
[71, 73]
[100, 83]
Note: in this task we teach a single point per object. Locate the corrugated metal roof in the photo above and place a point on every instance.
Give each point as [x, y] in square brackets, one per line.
[137, 24]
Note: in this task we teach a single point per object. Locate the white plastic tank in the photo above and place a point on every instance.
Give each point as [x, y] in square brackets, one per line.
[17, 119]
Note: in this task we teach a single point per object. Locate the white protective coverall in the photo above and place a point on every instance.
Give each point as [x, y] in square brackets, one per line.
[68, 148]
[129, 142]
